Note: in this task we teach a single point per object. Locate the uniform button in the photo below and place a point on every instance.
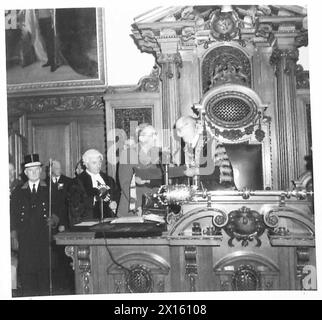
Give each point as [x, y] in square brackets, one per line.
[22, 213]
[43, 203]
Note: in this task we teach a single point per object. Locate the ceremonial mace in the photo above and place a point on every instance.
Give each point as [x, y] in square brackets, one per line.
[49, 230]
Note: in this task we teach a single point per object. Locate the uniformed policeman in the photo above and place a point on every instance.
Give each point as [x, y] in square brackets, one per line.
[30, 225]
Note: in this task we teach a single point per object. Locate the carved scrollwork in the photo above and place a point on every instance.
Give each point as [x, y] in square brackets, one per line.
[70, 251]
[244, 225]
[220, 219]
[84, 264]
[225, 64]
[271, 219]
[48, 104]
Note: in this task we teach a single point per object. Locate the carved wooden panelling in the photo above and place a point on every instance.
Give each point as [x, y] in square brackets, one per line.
[124, 116]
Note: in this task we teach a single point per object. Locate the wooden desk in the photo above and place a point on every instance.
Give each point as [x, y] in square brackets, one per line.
[263, 245]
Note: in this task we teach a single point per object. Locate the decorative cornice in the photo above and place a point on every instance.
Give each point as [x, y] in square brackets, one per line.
[193, 26]
[150, 83]
[54, 104]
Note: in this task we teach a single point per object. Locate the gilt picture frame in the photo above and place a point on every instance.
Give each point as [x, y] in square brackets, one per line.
[55, 50]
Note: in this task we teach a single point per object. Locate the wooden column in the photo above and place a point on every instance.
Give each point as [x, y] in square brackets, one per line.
[170, 64]
[286, 115]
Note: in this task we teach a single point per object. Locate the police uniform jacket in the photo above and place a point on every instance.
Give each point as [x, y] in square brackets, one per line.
[29, 213]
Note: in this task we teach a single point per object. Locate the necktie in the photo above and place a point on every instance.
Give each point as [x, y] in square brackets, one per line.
[34, 188]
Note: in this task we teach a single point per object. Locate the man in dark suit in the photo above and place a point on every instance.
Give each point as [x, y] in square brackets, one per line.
[59, 187]
[30, 224]
[93, 194]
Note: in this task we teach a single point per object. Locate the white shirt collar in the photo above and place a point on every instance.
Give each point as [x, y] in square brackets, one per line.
[36, 183]
[55, 178]
[96, 177]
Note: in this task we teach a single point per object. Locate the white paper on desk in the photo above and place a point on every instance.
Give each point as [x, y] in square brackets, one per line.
[134, 219]
[90, 223]
[153, 217]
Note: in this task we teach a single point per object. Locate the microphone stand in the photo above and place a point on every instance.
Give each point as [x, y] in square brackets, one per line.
[49, 229]
[102, 209]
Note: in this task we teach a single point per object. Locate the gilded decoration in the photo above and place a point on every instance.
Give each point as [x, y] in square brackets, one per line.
[245, 225]
[223, 65]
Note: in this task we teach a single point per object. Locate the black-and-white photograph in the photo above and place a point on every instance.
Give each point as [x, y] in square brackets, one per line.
[194, 176]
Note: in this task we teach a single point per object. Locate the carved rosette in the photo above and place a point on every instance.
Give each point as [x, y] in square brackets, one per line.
[139, 279]
[244, 225]
[84, 265]
[271, 219]
[246, 278]
[220, 219]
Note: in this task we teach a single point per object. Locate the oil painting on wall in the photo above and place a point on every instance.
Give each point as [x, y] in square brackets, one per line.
[54, 48]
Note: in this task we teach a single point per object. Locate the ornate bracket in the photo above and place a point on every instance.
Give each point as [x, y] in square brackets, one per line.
[70, 252]
[190, 254]
[84, 264]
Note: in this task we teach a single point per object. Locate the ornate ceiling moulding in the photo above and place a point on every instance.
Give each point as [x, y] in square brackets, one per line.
[54, 104]
[202, 25]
